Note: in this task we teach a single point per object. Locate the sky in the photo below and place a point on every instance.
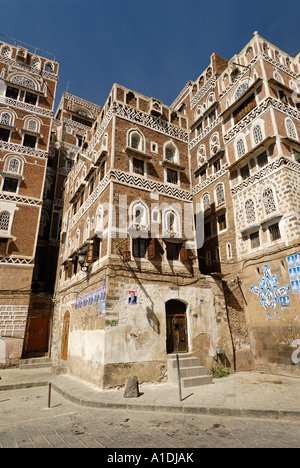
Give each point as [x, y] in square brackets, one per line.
[153, 47]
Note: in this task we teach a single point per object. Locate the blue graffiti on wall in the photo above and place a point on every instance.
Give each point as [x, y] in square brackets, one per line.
[269, 292]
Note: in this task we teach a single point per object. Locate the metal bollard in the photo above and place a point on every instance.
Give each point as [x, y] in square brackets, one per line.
[49, 395]
[178, 376]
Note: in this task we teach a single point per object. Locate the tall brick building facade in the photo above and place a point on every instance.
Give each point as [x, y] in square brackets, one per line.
[27, 90]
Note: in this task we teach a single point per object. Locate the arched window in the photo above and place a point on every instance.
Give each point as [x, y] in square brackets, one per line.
[206, 202]
[171, 223]
[4, 221]
[99, 219]
[219, 194]
[14, 165]
[32, 125]
[136, 140]
[170, 152]
[269, 201]
[240, 146]
[291, 129]
[139, 215]
[257, 134]
[250, 211]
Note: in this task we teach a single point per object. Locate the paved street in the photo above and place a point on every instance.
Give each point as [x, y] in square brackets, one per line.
[26, 421]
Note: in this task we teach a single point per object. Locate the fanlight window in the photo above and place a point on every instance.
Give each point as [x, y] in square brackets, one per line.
[32, 125]
[23, 81]
[241, 90]
[257, 134]
[4, 221]
[14, 165]
[240, 146]
[269, 201]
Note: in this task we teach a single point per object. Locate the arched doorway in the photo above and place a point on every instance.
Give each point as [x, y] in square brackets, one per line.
[65, 336]
[177, 341]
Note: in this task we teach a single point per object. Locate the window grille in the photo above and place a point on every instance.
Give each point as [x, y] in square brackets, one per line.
[32, 125]
[257, 134]
[241, 90]
[250, 211]
[206, 202]
[170, 154]
[290, 128]
[4, 221]
[220, 194]
[269, 200]
[5, 118]
[14, 166]
[240, 148]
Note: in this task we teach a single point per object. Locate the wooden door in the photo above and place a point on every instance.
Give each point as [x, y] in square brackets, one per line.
[177, 341]
[37, 338]
[65, 336]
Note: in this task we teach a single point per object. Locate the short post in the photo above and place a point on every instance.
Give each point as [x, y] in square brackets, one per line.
[49, 395]
[178, 376]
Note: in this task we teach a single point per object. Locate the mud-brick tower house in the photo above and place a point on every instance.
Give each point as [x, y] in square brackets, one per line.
[129, 292]
[28, 83]
[73, 118]
[245, 152]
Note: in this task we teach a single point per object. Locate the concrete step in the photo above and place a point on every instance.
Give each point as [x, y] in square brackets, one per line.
[192, 374]
[35, 363]
[192, 371]
[188, 382]
[185, 362]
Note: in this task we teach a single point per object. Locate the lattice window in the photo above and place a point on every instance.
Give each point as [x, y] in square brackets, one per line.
[206, 202]
[5, 118]
[4, 221]
[240, 146]
[290, 128]
[241, 89]
[14, 165]
[257, 134]
[32, 125]
[250, 211]
[220, 194]
[269, 201]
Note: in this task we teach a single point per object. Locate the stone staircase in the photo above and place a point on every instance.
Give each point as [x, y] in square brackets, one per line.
[192, 374]
[35, 363]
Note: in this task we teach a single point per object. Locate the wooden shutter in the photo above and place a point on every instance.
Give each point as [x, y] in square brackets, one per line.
[183, 254]
[89, 254]
[152, 249]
